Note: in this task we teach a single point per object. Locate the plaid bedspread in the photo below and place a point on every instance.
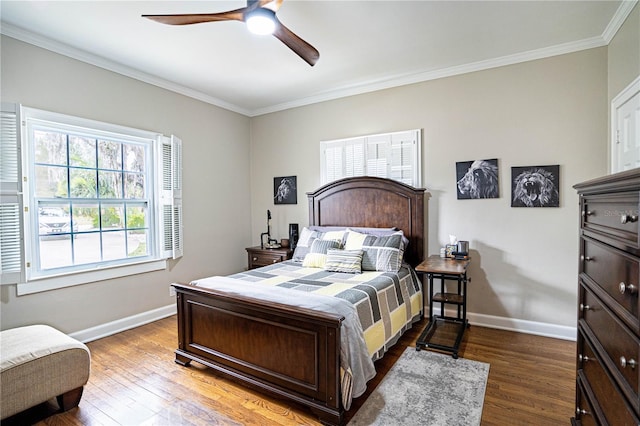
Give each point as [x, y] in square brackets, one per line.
[387, 303]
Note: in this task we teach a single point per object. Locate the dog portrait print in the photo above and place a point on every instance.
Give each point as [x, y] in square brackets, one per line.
[284, 190]
[535, 186]
[477, 179]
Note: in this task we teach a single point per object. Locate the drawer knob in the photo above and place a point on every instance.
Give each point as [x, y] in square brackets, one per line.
[583, 358]
[584, 307]
[275, 260]
[627, 288]
[628, 218]
[624, 362]
[587, 258]
[254, 259]
[581, 412]
[587, 213]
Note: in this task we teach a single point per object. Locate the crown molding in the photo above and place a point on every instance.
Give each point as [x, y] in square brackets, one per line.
[618, 19]
[419, 77]
[610, 31]
[108, 64]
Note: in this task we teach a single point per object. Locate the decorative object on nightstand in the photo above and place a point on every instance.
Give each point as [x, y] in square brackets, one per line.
[440, 327]
[293, 235]
[258, 256]
[608, 344]
[271, 243]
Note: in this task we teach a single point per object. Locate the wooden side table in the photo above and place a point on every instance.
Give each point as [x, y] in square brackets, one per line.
[258, 256]
[441, 329]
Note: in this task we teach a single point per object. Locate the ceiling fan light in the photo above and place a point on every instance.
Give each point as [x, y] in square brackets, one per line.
[261, 21]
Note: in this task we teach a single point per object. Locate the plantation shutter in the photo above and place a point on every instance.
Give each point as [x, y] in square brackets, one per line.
[341, 159]
[11, 242]
[378, 150]
[405, 157]
[395, 156]
[354, 157]
[171, 196]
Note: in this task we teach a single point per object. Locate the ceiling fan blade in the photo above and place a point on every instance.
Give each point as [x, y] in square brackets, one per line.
[303, 49]
[271, 4]
[186, 19]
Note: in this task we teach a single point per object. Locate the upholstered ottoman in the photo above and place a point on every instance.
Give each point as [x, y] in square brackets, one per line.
[38, 363]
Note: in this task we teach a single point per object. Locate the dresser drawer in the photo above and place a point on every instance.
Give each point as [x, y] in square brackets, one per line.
[616, 272]
[612, 403]
[621, 347]
[262, 259]
[585, 413]
[614, 216]
[258, 256]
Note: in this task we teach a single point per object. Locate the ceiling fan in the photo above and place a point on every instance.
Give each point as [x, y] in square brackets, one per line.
[261, 13]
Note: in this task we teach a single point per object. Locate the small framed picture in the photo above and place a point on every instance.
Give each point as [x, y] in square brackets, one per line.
[285, 190]
[449, 249]
[535, 186]
[477, 179]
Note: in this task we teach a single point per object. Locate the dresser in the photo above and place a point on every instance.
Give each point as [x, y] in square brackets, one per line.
[258, 256]
[608, 346]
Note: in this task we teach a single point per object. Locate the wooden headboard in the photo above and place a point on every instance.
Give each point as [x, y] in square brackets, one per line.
[372, 202]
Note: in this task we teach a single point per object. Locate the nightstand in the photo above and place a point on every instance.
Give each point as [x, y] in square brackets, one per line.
[258, 256]
[442, 328]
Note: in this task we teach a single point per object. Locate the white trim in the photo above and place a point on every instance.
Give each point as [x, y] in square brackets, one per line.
[81, 124]
[117, 326]
[524, 326]
[490, 321]
[619, 100]
[370, 86]
[418, 77]
[555, 331]
[89, 58]
[618, 19]
[102, 274]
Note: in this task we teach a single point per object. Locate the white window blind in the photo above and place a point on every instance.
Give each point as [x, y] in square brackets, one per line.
[171, 196]
[11, 270]
[391, 155]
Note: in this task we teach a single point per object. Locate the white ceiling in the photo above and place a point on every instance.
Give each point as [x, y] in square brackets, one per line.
[364, 45]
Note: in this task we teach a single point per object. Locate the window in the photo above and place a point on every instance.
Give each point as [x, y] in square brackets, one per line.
[96, 197]
[391, 155]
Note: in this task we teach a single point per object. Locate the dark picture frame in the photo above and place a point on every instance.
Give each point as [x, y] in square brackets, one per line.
[535, 186]
[477, 179]
[285, 190]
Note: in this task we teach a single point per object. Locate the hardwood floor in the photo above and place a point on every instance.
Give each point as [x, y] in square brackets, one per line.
[135, 381]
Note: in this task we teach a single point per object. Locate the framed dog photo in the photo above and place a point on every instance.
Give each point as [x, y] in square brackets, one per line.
[285, 190]
[535, 186]
[477, 179]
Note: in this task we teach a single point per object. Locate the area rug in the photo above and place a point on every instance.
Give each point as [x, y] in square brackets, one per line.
[427, 388]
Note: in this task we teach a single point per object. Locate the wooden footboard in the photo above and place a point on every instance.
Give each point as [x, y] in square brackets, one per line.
[287, 351]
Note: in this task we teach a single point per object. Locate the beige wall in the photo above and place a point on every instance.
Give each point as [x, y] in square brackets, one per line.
[623, 61]
[551, 111]
[624, 54]
[216, 182]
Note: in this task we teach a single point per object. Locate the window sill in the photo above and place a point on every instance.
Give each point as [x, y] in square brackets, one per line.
[70, 280]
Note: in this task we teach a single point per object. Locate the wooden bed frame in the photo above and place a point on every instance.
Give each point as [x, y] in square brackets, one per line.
[291, 352]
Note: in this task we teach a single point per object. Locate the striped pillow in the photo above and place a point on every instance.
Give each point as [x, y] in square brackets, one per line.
[317, 255]
[380, 253]
[348, 261]
[307, 237]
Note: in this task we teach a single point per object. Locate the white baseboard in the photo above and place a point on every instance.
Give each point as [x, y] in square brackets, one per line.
[521, 326]
[490, 321]
[123, 324]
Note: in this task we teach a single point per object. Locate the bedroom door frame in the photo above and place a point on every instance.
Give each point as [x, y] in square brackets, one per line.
[628, 97]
